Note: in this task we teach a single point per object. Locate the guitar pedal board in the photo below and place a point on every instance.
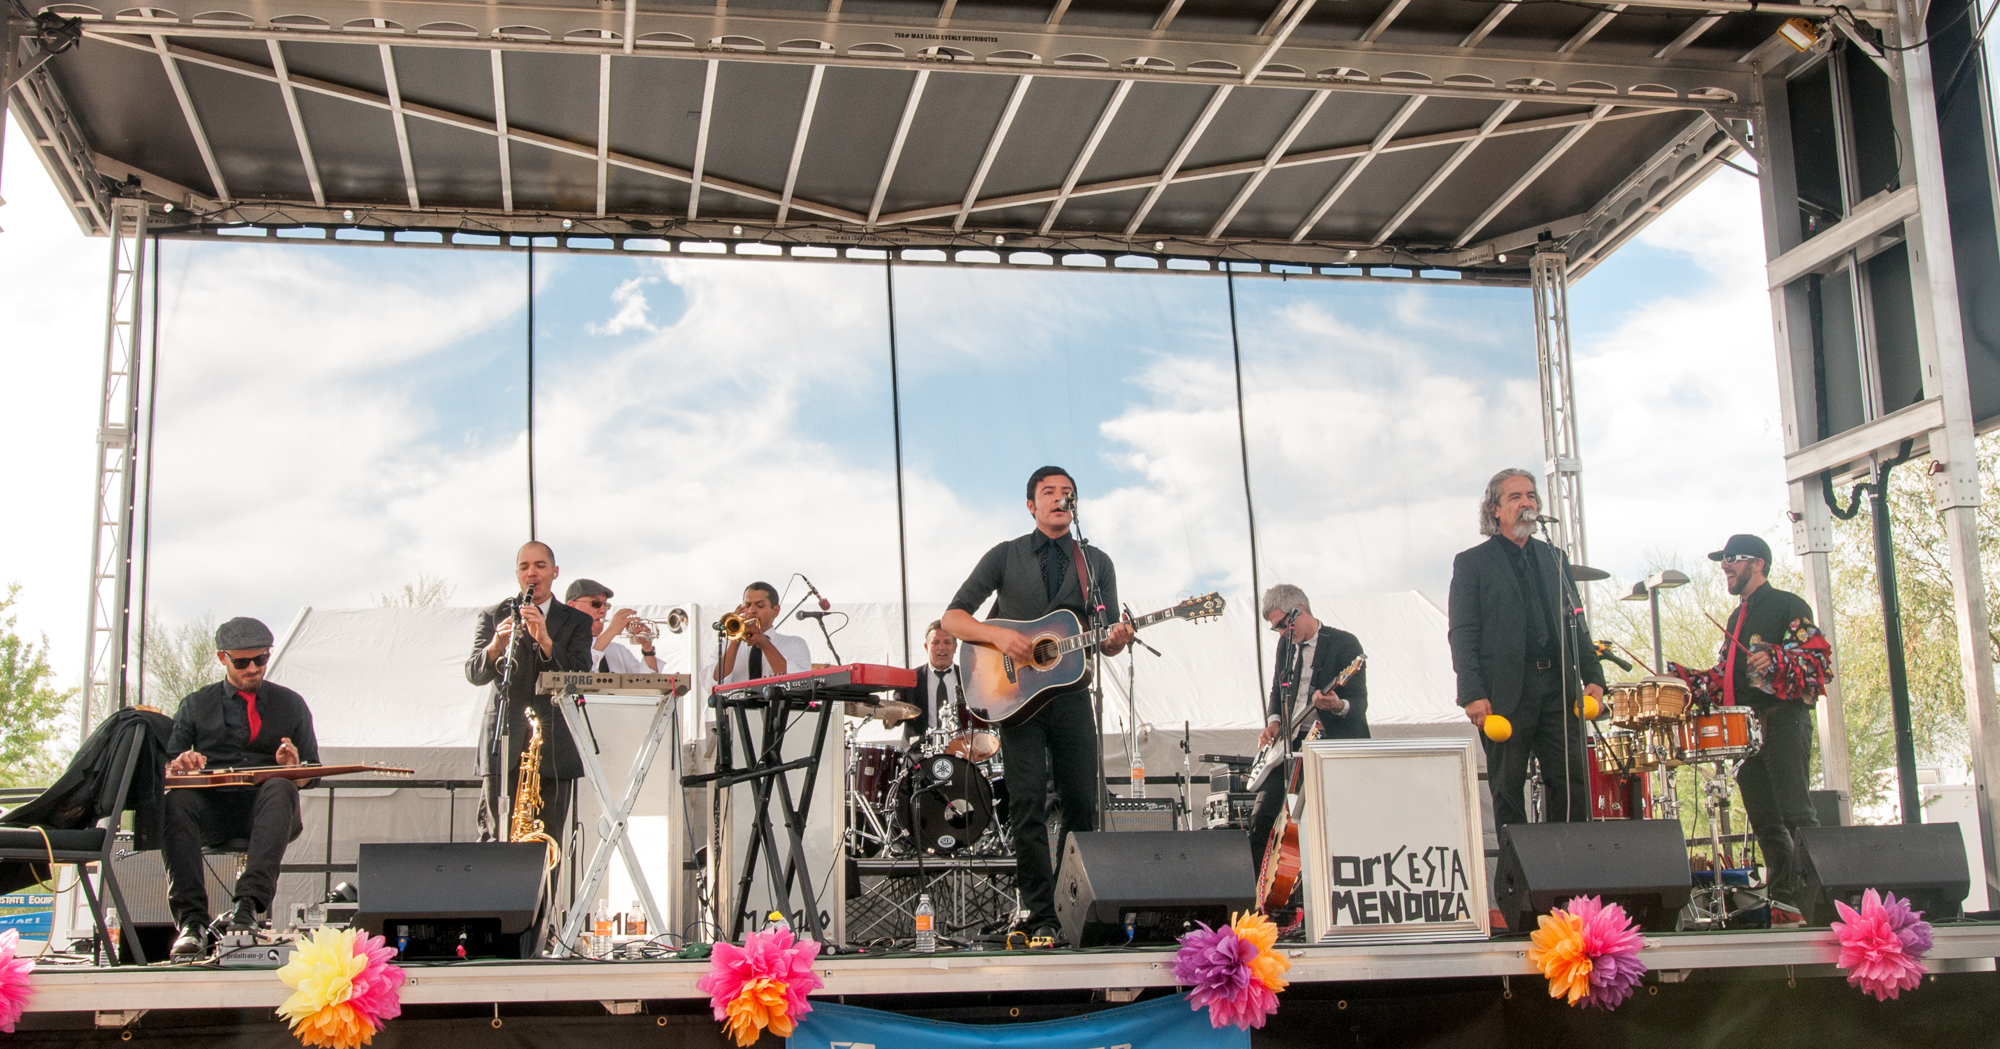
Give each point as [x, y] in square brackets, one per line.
[1229, 809]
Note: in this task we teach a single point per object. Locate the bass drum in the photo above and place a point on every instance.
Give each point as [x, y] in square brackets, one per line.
[946, 803]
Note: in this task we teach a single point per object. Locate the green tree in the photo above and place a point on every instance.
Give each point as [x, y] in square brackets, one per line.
[179, 660]
[33, 711]
[428, 591]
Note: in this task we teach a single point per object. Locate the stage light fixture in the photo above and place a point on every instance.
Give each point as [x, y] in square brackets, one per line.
[1159, 245]
[1666, 579]
[1351, 253]
[999, 239]
[1502, 256]
[735, 231]
[1799, 33]
[168, 207]
[567, 223]
[348, 215]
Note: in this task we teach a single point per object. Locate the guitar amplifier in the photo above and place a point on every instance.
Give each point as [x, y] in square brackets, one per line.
[1230, 809]
[142, 880]
[1123, 814]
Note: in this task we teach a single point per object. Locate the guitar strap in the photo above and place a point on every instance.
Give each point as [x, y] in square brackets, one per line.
[1083, 581]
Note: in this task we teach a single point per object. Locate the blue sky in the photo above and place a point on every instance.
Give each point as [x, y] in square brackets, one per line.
[335, 420]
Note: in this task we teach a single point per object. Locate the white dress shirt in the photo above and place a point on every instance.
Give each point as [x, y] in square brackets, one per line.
[621, 660]
[798, 658]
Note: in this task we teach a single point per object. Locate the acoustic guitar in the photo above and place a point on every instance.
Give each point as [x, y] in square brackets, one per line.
[250, 777]
[1001, 690]
[1282, 862]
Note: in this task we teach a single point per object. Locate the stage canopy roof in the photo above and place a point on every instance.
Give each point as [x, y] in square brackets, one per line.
[1421, 134]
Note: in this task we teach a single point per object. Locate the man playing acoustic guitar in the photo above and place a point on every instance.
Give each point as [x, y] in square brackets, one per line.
[1034, 575]
[242, 720]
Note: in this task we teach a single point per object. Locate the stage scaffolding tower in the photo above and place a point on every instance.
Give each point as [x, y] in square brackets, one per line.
[1562, 463]
[105, 648]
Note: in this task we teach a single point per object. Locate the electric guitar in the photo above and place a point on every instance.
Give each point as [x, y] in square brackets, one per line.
[1282, 860]
[250, 777]
[1001, 690]
[1273, 756]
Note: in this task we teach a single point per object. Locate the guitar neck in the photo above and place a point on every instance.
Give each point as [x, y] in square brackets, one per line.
[1097, 636]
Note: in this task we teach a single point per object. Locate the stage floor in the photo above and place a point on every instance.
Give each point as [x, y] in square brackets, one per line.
[1674, 957]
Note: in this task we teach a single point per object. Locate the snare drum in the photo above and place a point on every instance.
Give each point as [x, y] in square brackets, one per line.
[1724, 734]
[973, 746]
[874, 770]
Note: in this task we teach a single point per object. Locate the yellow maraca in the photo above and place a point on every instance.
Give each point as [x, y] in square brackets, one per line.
[1590, 707]
[1497, 728]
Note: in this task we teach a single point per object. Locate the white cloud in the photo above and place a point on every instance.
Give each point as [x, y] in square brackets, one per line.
[632, 309]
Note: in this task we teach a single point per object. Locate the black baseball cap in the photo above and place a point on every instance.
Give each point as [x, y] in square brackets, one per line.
[586, 588]
[1743, 544]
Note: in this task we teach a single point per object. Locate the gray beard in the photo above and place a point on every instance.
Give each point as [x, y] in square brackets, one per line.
[1524, 529]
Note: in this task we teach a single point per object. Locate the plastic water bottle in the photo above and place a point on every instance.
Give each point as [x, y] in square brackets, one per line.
[1138, 774]
[603, 928]
[112, 933]
[926, 925]
[635, 920]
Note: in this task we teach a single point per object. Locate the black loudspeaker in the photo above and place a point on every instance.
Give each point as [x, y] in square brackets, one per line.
[1831, 807]
[142, 879]
[462, 900]
[1641, 865]
[1922, 862]
[1156, 882]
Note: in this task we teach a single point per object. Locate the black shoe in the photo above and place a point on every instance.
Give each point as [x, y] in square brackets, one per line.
[244, 917]
[191, 944]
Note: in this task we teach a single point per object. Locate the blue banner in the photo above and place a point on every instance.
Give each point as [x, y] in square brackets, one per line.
[1163, 1023]
[32, 914]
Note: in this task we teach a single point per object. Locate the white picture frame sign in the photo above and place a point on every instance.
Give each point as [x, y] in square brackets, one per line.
[1391, 845]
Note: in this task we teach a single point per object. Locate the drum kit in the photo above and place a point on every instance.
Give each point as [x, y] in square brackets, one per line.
[944, 796]
[1654, 731]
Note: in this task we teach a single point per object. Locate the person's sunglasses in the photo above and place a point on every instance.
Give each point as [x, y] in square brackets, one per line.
[1737, 559]
[244, 663]
[596, 602]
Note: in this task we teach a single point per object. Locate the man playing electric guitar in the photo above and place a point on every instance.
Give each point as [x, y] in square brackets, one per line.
[1311, 658]
[1034, 575]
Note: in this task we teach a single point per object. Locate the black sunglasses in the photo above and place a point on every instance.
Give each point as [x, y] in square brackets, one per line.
[244, 663]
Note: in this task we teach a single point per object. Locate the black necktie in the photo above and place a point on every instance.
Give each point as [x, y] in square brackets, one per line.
[756, 662]
[938, 705]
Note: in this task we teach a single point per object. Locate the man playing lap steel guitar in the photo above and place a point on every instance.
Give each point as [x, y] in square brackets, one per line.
[242, 720]
[1034, 575]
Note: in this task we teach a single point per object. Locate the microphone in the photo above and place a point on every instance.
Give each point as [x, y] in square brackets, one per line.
[806, 613]
[1541, 518]
[1069, 502]
[824, 604]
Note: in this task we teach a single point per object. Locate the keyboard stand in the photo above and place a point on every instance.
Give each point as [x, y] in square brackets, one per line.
[613, 825]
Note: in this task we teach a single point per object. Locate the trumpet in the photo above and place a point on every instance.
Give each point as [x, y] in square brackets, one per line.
[733, 626]
[677, 620]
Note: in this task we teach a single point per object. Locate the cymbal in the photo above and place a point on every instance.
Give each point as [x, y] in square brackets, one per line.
[888, 708]
[1587, 574]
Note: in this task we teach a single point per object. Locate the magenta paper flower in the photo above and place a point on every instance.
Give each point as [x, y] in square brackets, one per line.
[762, 984]
[1612, 942]
[377, 991]
[14, 990]
[1882, 944]
[1220, 968]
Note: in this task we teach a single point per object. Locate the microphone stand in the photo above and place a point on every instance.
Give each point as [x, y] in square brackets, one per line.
[1132, 701]
[820, 618]
[1568, 660]
[1094, 605]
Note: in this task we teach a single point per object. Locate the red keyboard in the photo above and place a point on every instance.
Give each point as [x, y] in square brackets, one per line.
[847, 681]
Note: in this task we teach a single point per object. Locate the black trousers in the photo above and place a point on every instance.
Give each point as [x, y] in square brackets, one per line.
[1547, 732]
[496, 813]
[1264, 813]
[267, 815]
[1059, 742]
[1775, 798]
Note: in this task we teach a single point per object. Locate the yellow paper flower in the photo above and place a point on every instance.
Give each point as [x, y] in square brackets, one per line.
[759, 1005]
[1558, 951]
[1269, 967]
[321, 975]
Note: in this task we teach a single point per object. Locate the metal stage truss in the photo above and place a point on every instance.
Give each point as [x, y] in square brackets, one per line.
[966, 894]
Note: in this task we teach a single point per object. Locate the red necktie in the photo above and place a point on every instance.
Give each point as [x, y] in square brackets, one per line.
[1729, 662]
[250, 701]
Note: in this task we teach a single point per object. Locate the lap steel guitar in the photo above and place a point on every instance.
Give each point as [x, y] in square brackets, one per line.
[250, 777]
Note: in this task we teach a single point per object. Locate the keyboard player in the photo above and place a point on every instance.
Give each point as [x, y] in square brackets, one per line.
[762, 652]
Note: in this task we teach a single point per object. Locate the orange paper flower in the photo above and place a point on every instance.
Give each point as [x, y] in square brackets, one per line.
[1269, 967]
[1558, 950]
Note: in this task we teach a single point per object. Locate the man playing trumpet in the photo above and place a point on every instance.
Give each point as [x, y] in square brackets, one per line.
[609, 655]
[756, 650]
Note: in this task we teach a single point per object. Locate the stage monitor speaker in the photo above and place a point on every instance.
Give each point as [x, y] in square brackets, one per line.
[461, 900]
[1641, 865]
[1922, 862]
[1155, 882]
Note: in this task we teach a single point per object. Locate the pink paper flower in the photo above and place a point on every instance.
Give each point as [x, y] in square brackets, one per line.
[1236, 977]
[1881, 945]
[762, 984]
[14, 989]
[377, 992]
[1612, 942]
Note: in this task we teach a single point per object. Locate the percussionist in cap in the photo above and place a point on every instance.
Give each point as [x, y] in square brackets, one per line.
[241, 721]
[1777, 663]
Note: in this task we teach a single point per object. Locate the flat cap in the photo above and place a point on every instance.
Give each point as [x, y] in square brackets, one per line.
[586, 588]
[242, 633]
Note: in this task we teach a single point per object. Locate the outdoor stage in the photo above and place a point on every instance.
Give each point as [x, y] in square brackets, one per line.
[1710, 988]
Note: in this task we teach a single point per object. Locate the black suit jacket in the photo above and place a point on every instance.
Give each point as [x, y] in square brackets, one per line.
[1489, 623]
[1335, 650]
[921, 696]
[570, 630]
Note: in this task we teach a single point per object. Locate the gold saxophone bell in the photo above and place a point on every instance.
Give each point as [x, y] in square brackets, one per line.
[733, 626]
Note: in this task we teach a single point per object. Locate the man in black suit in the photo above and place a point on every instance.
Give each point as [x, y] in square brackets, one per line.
[938, 689]
[1311, 656]
[551, 636]
[1519, 656]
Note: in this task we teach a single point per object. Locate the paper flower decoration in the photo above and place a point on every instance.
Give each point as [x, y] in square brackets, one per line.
[1233, 971]
[14, 991]
[1590, 953]
[343, 988]
[762, 984]
[1882, 945]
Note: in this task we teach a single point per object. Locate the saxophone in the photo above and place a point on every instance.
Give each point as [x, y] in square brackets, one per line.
[526, 824]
